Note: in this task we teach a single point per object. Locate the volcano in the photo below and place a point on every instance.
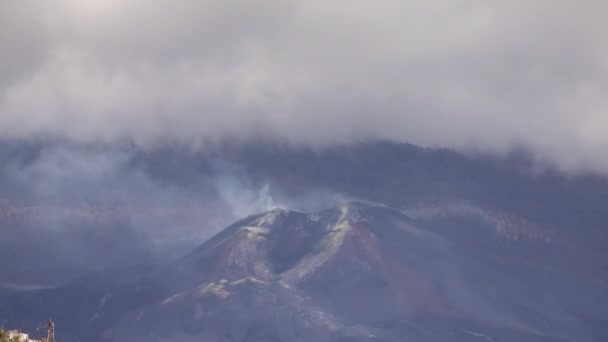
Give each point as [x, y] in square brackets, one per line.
[360, 272]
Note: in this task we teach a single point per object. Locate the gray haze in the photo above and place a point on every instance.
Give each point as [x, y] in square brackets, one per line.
[473, 74]
[74, 200]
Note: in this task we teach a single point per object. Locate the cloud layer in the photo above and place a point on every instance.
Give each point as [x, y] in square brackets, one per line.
[473, 74]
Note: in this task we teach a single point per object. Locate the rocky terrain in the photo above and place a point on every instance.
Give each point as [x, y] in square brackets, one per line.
[462, 248]
[358, 272]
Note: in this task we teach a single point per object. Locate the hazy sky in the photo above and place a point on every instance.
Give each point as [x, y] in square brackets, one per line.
[479, 74]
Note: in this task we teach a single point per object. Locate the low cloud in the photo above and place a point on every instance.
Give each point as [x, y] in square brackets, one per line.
[474, 75]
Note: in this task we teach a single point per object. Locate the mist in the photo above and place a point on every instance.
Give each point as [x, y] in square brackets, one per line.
[59, 200]
[474, 75]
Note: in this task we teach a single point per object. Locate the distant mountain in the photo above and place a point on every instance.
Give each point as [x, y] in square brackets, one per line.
[467, 248]
[151, 204]
[359, 272]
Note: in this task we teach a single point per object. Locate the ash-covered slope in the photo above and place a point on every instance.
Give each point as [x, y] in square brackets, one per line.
[355, 273]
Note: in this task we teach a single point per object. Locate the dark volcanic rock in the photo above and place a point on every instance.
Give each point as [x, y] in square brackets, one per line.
[359, 272]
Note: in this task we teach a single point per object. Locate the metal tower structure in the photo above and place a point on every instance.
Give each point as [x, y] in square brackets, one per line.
[50, 327]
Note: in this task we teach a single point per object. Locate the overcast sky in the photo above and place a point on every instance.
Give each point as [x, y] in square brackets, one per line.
[472, 74]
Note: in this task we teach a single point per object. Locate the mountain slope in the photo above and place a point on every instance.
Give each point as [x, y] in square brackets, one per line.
[194, 192]
[357, 272]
